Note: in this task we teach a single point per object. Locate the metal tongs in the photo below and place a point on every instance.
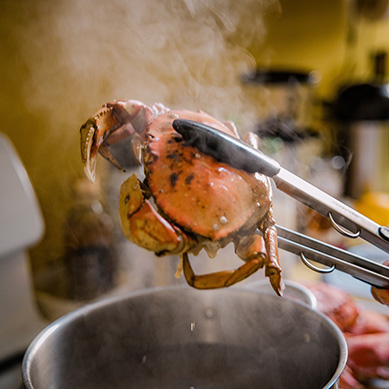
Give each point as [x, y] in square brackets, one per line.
[348, 222]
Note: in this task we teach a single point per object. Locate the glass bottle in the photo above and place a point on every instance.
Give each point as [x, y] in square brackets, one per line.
[90, 259]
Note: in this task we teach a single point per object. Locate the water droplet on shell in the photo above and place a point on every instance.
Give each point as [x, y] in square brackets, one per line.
[172, 115]
[223, 220]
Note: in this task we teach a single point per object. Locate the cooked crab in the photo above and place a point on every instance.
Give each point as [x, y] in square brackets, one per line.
[188, 201]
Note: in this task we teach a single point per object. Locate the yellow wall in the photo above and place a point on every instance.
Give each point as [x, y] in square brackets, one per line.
[332, 37]
[61, 60]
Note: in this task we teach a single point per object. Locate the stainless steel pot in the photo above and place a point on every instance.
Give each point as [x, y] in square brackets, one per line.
[179, 337]
[294, 291]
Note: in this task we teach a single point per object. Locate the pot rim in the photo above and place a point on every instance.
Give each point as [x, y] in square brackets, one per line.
[294, 291]
[82, 311]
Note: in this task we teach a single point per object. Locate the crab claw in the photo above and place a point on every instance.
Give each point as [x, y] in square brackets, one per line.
[92, 135]
[109, 125]
[88, 159]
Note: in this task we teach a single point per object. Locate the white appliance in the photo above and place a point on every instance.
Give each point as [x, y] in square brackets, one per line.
[21, 227]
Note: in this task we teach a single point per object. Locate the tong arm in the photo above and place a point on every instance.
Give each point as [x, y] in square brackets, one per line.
[341, 215]
[359, 267]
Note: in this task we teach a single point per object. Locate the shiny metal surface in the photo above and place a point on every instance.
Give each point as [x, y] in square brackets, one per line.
[325, 204]
[308, 248]
[122, 343]
[293, 291]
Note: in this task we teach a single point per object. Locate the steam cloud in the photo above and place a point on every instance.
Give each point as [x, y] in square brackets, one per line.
[185, 54]
[80, 54]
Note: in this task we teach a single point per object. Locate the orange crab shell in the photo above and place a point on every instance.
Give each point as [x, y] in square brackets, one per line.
[195, 191]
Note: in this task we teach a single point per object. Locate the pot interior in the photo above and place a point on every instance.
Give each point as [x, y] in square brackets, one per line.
[185, 338]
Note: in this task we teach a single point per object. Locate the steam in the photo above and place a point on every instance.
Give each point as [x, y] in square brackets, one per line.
[80, 54]
[185, 54]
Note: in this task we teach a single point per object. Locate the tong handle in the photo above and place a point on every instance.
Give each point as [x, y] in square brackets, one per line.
[232, 151]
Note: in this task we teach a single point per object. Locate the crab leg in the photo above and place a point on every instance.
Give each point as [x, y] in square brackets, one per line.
[252, 250]
[267, 226]
[221, 279]
[272, 267]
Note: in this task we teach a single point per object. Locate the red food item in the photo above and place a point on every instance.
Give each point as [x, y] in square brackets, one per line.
[370, 322]
[369, 355]
[336, 304]
[366, 332]
[348, 381]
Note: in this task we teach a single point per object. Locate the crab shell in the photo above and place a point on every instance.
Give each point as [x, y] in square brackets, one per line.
[193, 190]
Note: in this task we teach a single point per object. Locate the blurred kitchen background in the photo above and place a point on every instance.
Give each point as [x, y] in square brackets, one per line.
[308, 76]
